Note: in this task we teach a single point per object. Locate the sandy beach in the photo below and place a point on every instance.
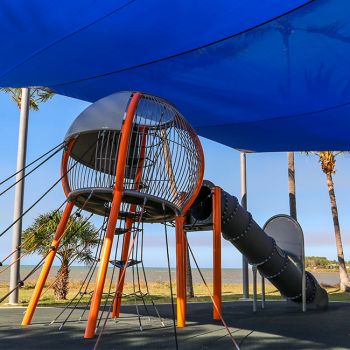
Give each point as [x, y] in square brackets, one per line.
[157, 274]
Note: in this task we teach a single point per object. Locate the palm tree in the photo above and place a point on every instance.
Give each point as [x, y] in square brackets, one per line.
[189, 281]
[37, 95]
[76, 245]
[291, 186]
[327, 160]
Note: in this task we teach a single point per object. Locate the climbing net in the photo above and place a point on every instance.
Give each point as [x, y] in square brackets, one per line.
[140, 291]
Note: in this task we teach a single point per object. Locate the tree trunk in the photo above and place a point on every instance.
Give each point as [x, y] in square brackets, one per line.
[291, 186]
[189, 282]
[61, 286]
[344, 278]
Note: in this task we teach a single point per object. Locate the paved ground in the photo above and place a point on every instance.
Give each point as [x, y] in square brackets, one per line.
[279, 326]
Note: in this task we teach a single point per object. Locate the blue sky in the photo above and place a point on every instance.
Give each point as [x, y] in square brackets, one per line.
[267, 186]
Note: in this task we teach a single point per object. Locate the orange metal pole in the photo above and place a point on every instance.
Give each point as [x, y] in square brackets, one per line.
[217, 294]
[47, 265]
[184, 245]
[64, 166]
[113, 217]
[102, 269]
[128, 227]
[180, 272]
[120, 283]
[200, 178]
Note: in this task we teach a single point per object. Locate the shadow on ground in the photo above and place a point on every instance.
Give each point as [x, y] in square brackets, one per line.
[279, 326]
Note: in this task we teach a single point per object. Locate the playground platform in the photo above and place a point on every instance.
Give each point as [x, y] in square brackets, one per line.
[279, 326]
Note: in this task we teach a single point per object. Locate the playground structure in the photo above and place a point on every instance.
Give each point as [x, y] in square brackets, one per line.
[274, 264]
[133, 158]
[137, 160]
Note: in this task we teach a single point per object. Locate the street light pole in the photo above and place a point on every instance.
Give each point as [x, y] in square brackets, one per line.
[244, 205]
[19, 194]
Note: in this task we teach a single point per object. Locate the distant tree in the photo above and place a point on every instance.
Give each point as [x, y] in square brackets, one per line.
[76, 245]
[291, 186]
[37, 95]
[327, 160]
[318, 261]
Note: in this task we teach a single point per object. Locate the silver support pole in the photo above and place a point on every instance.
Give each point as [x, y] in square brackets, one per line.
[262, 292]
[304, 291]
[255, 282]
[293, 214]
[19, 192]
[303, 281]
[244, 205]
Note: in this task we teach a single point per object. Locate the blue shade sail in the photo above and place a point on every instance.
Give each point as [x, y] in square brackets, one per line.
[256, 75]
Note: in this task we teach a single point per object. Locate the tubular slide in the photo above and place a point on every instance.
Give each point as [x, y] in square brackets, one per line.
[244, 233]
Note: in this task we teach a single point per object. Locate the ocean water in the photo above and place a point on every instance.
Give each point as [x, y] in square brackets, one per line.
[158, 274]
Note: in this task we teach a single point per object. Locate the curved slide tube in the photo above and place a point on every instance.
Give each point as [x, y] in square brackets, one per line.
[245, 234]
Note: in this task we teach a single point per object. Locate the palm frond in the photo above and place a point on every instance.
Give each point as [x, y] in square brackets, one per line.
[37, 96]
[77, 243]
[327, 159]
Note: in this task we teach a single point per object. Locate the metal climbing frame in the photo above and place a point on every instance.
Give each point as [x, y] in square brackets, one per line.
[161, 146]
[139, 293]
[132, 157]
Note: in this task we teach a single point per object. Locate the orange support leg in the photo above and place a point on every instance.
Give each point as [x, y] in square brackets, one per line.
[217, 294]
[113, 216]
[47, 265]
[121, 278]
[128, 226]
[102, 269]
[180, 273]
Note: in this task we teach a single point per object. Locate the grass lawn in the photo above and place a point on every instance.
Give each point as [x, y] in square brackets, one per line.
[159, 292]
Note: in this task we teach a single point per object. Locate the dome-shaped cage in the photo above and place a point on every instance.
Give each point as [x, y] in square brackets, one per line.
[163, 159]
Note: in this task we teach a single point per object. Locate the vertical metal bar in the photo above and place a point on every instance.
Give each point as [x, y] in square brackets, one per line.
[255, 301]
[304, 289]
[303, 281]
[293, 214]
[168, 163]
[217, 293]
[245, 275]
[180, 273]
[262, 292]
[19, 194]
